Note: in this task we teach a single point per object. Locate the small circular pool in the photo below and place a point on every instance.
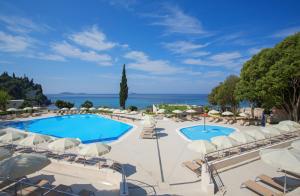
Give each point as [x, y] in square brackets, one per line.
[200, 132]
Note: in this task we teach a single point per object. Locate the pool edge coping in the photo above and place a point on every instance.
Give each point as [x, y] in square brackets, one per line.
[133, 128]
[189, 140]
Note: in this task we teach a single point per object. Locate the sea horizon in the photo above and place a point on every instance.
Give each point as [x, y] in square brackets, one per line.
[141, 100]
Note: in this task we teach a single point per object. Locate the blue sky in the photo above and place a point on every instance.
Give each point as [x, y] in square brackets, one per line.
[167, 46]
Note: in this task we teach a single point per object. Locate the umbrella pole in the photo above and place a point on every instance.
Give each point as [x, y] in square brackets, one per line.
[284, 189]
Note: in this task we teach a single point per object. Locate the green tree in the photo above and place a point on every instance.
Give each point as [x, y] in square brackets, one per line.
[4, 98]
[23, 88]
[87, 104]
[223, 94]
[123, 95]
[214, 97]
[272, 77]
[63, 104]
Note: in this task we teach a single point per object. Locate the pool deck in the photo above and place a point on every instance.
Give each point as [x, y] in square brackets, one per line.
[154, 167]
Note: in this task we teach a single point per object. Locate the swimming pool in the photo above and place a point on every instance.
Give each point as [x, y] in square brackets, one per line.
[88, 128]
[199, 133]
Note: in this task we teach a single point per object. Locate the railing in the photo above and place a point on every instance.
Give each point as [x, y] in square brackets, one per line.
[213, 172]
[265, 142]
[215, 177]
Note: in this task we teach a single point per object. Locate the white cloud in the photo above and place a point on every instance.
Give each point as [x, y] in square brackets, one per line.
[22, 25]
[286, 32]
[44, 56]
[253, 51]
[144, 63]
[176, 21]
[92, 38]
[183, 47]
[225, 56]
[67, 50]
[12, 43]
[226, 59]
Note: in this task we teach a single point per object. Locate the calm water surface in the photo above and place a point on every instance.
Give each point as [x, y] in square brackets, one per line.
[139, 100]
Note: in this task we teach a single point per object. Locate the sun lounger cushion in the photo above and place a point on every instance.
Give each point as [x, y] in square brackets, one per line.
[268, 180]
[250, 184]
[193, 167]
[85, 192]
[32, 190]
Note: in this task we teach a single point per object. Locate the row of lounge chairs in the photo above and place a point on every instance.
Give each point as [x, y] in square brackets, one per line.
[148, 133]
[195, 166]
[42, 187]
[68, 157]
[241, 122]
[23, 115]
[266, 182]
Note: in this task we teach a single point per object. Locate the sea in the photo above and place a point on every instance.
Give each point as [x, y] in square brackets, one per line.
[142, 101]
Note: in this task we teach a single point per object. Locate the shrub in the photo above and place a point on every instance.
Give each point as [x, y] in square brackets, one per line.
[132, 108]
[87, 104]
[63, 104]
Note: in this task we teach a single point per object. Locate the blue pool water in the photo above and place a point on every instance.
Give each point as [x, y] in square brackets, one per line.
[88, 128]
[199, 133]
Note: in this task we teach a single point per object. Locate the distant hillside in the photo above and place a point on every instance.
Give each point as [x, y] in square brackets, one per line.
[23, 88]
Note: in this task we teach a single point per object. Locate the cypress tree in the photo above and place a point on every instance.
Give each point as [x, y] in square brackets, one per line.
[123, 89]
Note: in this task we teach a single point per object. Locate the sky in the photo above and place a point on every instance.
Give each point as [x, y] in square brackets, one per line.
[181, 46]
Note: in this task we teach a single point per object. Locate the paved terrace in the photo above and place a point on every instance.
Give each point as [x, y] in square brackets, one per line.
[154, 166]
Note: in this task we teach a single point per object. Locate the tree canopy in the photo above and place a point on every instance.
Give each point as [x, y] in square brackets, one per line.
[272, 78]
[63, 104]
[123, 95]
[23, 88]
[4, 98]
[87, 104]
[223, 94]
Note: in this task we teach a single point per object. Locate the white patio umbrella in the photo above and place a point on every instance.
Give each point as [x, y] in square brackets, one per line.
[100, 108]
[149, 118]
[227, 113]
[95, 149]
[73, 109]
[63, 144]
[92, 109]
[296, 145]
[202, 146]
[117, 111]
[241, 137]
[22, 165]
[190, 111]
[271, 130]
[257, 134]
[36, 108]
[290, 123]
[34, 139]
[213, 112]
[123, 111]
[83, 109]
[133, 112]
[244, 114]
[2, 132]
[27, 108]
[284, 159]
[64, 109]
[286, 128]
[110, 110]
[11, 137]
[149, 124]
[223, 142]
[12, 109]
[177, 111]
[161, 111]
[4, 153]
